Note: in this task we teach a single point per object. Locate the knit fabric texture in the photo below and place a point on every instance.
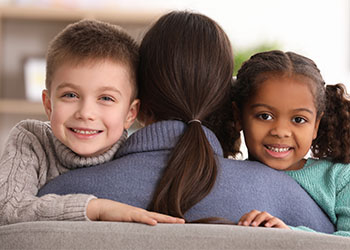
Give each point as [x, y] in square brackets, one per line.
[328, 184]
[32, 157]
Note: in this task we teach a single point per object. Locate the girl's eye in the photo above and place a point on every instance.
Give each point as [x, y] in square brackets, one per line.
[265, 117]
[69, 95]
[299, 120]
[107, 98]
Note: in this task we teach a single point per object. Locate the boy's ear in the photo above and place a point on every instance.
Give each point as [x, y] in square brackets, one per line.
[236, 116]
[317, 124]
[132, 114]
[46, 102]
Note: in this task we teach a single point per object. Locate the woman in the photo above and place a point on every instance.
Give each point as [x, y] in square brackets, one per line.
[175, 164]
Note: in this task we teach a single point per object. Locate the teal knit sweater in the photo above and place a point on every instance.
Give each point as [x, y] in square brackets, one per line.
[328, 184]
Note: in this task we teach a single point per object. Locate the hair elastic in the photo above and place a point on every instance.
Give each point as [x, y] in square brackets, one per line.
[194, 120]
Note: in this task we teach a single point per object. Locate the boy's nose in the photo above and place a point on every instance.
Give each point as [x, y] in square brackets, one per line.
[86, 111]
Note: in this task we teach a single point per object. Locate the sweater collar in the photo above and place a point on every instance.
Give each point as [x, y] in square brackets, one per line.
[71, 160]
[162, 135]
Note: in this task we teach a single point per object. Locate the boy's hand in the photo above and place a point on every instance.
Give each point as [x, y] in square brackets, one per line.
[256, 218]
[108, 210]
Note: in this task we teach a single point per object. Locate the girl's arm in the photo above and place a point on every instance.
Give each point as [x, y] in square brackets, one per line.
[342, 202]
[339, 202]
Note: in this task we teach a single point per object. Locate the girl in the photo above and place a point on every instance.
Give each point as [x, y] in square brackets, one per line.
[285, 109]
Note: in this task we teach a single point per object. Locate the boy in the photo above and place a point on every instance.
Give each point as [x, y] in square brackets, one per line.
[90, 100]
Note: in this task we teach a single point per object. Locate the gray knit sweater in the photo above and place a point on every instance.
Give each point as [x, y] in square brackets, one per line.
[32, 157]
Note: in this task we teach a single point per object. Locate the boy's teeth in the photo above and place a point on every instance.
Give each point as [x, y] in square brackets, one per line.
[85, 132]
[277, 149]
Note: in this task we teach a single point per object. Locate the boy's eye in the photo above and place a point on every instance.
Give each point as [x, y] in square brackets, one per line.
[299, 120]
[265, 117]
[69, 95]
[107, 98]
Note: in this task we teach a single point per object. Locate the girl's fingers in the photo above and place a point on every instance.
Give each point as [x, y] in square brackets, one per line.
[277, 223]
[273, 222]
[247, 218]
[261, 218]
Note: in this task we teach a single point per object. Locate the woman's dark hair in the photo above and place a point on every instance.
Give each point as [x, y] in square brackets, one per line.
[185, 73]
[331, 101]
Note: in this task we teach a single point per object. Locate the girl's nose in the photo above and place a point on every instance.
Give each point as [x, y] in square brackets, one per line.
[281, 130]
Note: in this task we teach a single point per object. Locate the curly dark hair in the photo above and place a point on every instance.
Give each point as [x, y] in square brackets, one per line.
[331, 101]
[333, 138]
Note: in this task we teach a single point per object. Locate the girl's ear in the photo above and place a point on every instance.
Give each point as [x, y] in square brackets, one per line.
[317, 124]
[236, 116]
[46, 102]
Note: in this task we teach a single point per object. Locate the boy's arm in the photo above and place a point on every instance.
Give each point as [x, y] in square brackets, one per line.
[23, 169]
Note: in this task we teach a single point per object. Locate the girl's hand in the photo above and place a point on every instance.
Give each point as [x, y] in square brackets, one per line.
[256, 218]
[108, 210]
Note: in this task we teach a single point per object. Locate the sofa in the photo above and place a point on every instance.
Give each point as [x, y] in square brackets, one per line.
[122, 235]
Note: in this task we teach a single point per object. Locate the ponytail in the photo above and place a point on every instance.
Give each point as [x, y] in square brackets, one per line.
[185, 73]
[189, 176]
[333, 138]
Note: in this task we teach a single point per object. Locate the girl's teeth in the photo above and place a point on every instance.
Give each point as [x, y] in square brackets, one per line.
[279, 150]
[85, 132]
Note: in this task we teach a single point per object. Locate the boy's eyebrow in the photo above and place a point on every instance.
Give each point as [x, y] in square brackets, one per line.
[66, 84]
[110, 88]
[103, 88]
[269, 107]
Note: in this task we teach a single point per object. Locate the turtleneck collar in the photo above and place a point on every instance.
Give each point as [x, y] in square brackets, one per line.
[162, 135]
[71, 160]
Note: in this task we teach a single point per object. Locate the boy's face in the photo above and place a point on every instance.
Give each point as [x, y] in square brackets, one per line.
[279, 122]
[89, 105]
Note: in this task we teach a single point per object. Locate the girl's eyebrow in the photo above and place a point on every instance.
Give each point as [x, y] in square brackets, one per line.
[256, 105]
[305, 110]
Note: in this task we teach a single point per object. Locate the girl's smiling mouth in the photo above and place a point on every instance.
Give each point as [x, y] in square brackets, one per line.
[278, 151]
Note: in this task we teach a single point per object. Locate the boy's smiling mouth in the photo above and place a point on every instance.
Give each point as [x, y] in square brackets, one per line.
[85, 131]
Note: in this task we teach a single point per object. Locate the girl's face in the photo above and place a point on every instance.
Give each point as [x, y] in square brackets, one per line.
[279, 122]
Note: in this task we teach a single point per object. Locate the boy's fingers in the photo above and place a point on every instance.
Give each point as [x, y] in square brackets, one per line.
[162, 218]
[147, 220]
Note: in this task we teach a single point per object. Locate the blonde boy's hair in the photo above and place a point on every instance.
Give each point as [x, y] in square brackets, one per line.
[89, 41]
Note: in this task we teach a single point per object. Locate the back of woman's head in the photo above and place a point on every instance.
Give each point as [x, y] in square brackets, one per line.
[185, 73]
[186, 66]
[333, 138]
